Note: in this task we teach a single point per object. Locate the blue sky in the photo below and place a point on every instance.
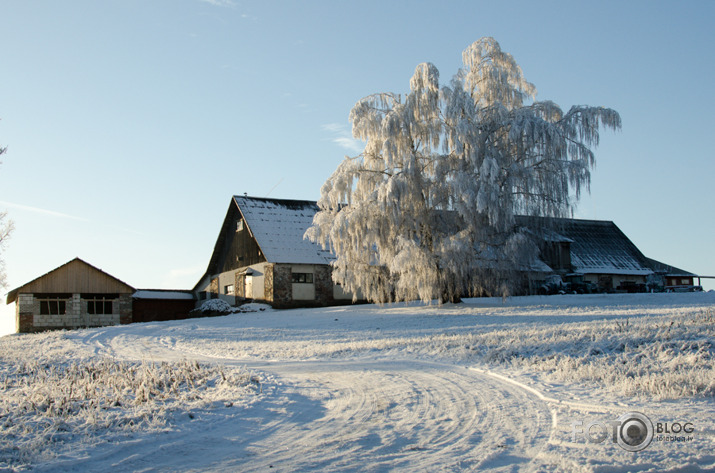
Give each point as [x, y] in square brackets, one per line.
[130, 124]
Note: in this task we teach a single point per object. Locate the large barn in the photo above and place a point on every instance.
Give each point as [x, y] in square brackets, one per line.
[599, 253]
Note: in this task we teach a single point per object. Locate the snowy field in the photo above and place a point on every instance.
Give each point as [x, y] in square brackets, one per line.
[526, 384]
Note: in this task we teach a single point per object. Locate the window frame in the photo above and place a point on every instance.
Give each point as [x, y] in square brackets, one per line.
[99, 304]
[53, 304]
[302, 278]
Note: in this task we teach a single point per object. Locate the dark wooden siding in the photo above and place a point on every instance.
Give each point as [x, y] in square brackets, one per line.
[236, 248]
[241, 249]
[152, 310]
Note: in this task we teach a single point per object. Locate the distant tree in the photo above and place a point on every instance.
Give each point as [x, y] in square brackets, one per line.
[427, 210]
[6, 228]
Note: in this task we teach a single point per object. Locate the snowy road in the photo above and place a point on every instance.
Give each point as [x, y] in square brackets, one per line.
[354, 415]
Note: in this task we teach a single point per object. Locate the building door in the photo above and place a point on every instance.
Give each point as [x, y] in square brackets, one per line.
[249, 286]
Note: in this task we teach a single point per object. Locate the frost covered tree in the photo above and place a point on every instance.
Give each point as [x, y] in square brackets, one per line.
[6, 228]
[427, 210]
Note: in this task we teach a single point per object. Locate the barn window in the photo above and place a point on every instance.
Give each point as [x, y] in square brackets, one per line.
[53, 304]
[303, 278]
[100, 304]
[228, 290]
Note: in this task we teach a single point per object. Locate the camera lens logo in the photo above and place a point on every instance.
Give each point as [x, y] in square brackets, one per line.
[635, 431]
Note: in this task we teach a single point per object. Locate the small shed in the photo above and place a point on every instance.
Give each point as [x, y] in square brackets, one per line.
[74, 295]
[152, 305]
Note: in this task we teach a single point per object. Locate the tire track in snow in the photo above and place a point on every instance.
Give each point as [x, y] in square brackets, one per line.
[357, 415]
[406, 415]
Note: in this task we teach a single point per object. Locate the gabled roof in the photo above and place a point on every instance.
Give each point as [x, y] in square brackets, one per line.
[597, 246]
[278, 226]
[64, 279]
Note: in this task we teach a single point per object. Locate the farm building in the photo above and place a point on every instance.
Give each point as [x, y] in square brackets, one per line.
[260, 254]
[73, 295]
[78, 295]
[599, 253]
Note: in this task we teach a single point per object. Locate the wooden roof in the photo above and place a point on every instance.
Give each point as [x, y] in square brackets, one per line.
[75, 276]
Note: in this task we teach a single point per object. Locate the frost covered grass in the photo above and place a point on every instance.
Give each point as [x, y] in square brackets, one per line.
[46, 406]
[661, 357]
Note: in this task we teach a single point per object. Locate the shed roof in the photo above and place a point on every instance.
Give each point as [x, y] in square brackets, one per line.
[667, 269]
[278, 225]
[163, 294]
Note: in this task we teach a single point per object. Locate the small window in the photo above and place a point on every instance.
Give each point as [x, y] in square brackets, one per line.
[53, 304]
[306, 278]
[202, 295]
[53, 307]
[100, 304]
[239, 226]
[99, 307]
[228, 290]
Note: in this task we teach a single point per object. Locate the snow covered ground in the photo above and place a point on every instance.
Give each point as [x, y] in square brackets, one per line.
[526, 384]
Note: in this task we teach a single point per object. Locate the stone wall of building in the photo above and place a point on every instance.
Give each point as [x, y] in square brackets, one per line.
[268, 282]
[282, 286]
[29, 318]
[323, 285]
[25, 310]
[126, 308]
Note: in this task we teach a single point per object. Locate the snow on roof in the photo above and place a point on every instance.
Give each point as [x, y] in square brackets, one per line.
[279, 225]
[162, 294]
[600, 247]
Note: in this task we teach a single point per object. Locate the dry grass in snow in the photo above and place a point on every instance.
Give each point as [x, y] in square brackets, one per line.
[661, 357]
[43, 406]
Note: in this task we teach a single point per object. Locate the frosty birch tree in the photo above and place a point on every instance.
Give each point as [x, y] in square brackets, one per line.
[427, 210]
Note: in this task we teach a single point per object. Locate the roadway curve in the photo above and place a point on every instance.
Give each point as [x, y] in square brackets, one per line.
[347, 415]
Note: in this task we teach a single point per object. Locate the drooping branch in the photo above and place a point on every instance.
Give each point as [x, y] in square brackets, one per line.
[428, 209]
